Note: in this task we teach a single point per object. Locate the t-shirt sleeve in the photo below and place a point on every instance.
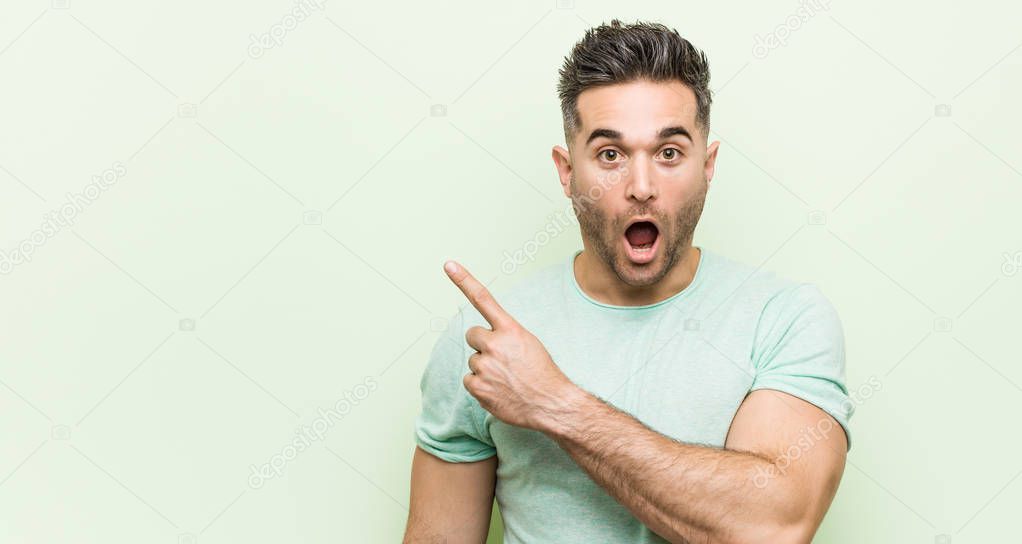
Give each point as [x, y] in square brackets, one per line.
[800, 349]
[450, 425]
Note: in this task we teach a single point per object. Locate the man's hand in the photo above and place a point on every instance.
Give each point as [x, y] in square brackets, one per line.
[513, 376]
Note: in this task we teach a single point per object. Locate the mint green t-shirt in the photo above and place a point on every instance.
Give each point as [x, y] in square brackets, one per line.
[682, 366]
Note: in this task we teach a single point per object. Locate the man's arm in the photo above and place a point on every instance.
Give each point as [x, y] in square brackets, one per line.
[450, 502]
[772, 482]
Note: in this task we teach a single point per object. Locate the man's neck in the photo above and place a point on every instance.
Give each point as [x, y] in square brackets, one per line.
[599, 281]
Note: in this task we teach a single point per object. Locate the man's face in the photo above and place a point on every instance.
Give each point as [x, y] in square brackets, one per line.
[639, 155]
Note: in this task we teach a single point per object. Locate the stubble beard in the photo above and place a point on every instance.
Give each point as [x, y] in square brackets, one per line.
[605, 235]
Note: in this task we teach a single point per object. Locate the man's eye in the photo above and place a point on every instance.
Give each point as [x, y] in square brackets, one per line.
[609, 154]
[670, 153]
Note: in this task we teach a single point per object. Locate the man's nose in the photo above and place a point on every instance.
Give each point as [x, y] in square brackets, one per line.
[641, 185]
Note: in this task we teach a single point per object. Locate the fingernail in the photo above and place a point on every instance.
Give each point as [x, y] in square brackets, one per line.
[450, 267]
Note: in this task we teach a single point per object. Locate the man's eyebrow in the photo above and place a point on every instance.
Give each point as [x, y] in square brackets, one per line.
[603, 133]
[675, 131]
[615, 135]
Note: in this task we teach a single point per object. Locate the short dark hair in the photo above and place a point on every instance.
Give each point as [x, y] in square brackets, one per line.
[619, 53]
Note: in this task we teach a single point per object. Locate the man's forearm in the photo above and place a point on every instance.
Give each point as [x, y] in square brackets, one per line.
[683, 492]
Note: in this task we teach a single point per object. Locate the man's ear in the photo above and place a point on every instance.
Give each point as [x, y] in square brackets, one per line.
[711, 161]
[562, 161]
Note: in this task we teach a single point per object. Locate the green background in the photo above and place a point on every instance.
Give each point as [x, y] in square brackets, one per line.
[276, 242]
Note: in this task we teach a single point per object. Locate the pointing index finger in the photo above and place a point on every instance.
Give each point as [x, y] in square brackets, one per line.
[478, 295]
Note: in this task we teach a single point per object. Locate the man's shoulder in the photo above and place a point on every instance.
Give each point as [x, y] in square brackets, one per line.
[738, 282]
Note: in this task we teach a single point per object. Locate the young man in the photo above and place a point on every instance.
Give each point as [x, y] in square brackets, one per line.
[645, 389]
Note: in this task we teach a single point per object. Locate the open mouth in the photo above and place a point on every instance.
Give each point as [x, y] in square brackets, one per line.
[641, 241]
